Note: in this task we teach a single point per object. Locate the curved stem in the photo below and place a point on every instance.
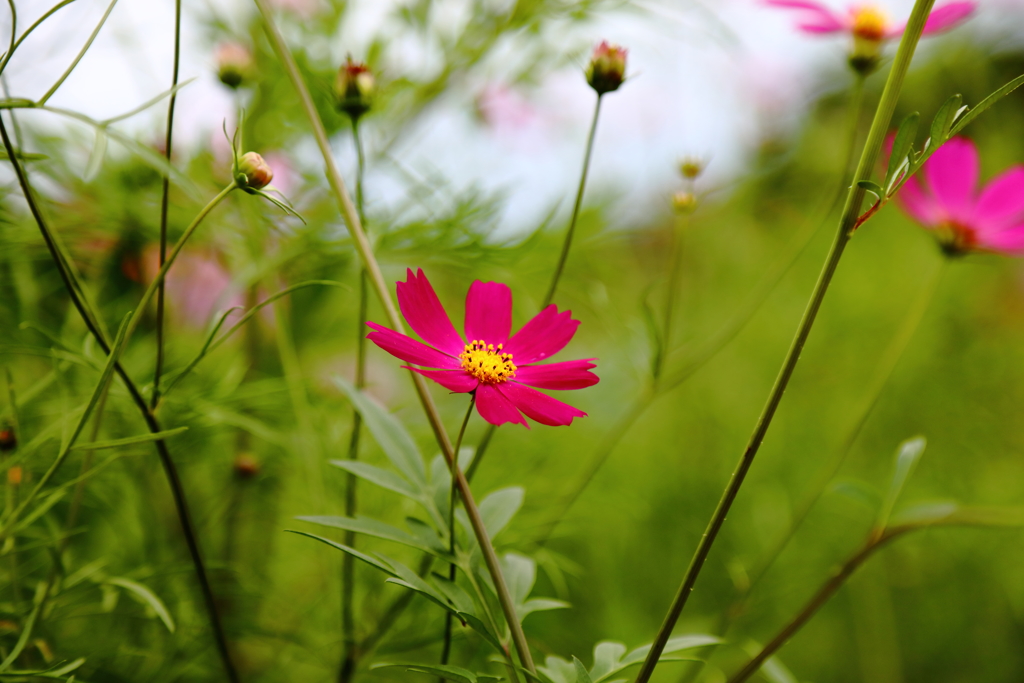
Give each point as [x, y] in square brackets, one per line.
[851, 211]
[348, 568]
[168, 144]
[78, 57]
[564, 256]
[446, 649]
[170, 470]
[376, 278]
[883, 371]
[14, 34]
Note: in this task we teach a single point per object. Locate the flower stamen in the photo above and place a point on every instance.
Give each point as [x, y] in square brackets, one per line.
[487, 363]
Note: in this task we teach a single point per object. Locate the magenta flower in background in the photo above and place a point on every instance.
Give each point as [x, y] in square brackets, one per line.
[963, 220]
[868, 21]
[500, 369]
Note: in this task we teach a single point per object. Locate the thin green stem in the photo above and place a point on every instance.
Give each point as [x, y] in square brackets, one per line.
[348, 563]
[564, 256]
[883, 371]
[78, 57]
[28, 31]
[362, 244]
[14, 35]
[675, 256]
[170, 469]
[446, 649]
[851, 212]
[165, 193]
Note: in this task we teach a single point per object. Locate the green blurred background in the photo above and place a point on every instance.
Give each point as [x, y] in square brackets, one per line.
[938, 606]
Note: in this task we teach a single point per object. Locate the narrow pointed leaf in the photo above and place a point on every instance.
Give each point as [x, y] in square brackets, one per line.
[445, 671]
[378, 476]
[146, 596]
[986, 103]
[373, 527]
[130, 440]
[906, 459]
[902, 144]
[373, 562]
[498, 508]
[943, 120]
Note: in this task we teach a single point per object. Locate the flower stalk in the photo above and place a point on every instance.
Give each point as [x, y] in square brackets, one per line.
[851, 211]
[376, 279]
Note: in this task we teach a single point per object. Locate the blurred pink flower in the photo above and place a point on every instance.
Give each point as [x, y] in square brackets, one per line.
[869, 21]
[198, 285]
[484, 366]
[504, 109]
[966, 221]
[286, 179]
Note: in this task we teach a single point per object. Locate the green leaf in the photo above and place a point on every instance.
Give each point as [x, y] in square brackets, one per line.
[520, 574]
[902, 144]
[687, 642]
[480, 627]
[395, 441]
[986, 103]
[953, 514]
[130, 440]
[147, 597]
[608, 656]
[859, 491]
[872, 187]
[445, 671]
[539, 605]
[558, 670]
[907, 456]
[773, 670]
[378, 476]
[582, 676]
[943, 120]
[378, 529]
[499, 507]
[373, 562]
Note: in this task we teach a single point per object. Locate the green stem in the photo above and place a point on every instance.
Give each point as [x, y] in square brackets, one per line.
[348, 565]
[147, 296]
[446, 649]
[78, 57]
[883, 371]
[675, 255]
[168, 144]
[376, 278]
[851, 211]
[576, 207]
[152, 423]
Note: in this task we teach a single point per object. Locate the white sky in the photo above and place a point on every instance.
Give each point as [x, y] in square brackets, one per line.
[706, 80]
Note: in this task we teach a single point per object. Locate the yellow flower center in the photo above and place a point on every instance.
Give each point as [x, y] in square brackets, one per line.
[487, 363]
[869, 22]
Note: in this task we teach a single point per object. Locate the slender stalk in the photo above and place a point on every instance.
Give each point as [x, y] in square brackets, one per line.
[78, 57]
[851, 212]
[79, 492]
[348, 562]
[376, 279]
[675, 256]
[166, 190]
[883, 371]
[446, 649]
[564, 256]
[813, 605]
[170, 470]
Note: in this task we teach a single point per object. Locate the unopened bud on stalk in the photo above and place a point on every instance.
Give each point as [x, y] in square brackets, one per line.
[234, 64]
[691, 167]
[8, 441]
[607, 68]
[684, 202]
[870, 28]
[14, 475]
[354, 88]
[253, 173]
[246, 466]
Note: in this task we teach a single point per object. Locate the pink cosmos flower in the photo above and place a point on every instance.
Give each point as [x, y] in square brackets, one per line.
[485, 364]
[868, 21]
[946, 202]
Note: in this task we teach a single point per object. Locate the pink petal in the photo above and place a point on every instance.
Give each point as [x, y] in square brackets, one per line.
[425, 315]
[495, 408]
[538, 406]
[544, 336]
[1008, 241]
[949, 15]
[1002, 201]
[921, 206]
[952, 174]
[488, 312]
[572, 374]
[458, 381]
[819, 18]
[410, 350]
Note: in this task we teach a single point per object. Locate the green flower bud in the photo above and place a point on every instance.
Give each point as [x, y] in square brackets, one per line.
[354, 88]
[691, 167]
[684, 202]
[607, 68]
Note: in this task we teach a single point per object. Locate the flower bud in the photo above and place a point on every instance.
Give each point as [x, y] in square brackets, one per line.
[691, 167]
[234, 64]
[8, 441]
[607, 68]
[246, 466]
[870, 27]
[14, 475]
[684, 202]
[253, 173]
[354, 88]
